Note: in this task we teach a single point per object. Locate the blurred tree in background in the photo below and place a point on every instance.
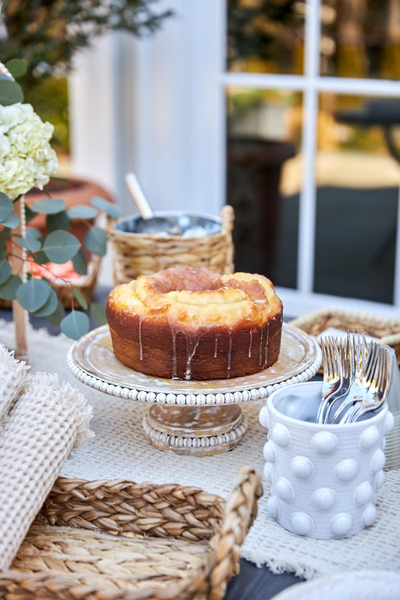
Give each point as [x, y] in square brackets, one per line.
[48, 33]
[266, 37]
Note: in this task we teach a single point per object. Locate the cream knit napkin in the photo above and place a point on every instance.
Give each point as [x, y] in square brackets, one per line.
[44, 425]
[12, 376]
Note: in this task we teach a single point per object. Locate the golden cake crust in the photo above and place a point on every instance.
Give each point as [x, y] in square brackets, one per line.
[192, 323]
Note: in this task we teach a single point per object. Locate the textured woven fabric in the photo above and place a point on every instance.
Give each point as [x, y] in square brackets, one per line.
[43, 426]
[12, 375]
[121, 450]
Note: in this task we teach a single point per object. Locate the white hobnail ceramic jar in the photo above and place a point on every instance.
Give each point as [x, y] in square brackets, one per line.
[323, 477]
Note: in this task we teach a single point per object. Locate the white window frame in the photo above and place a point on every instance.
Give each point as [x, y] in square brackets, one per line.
[311, 84]
[158, 106]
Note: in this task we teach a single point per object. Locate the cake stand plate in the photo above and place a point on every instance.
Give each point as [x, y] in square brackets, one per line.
[192, 417]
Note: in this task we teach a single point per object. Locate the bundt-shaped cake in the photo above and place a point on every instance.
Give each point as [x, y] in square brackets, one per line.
[192, 323]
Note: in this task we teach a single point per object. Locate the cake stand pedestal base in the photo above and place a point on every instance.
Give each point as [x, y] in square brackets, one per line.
[195, 430]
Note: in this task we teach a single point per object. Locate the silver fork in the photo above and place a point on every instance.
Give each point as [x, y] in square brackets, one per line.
[354, 353]
[332, 374]
[375, 389]
[361, 382]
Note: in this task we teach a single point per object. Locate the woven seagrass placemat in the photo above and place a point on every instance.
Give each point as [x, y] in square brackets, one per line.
[120, 449]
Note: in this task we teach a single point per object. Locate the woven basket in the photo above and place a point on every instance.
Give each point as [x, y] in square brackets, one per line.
[385, 329]
[137, 254]
[120, 540]
[86, 286]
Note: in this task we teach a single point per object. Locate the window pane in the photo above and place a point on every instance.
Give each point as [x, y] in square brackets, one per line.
[264, 180]
[357, 195]
[265, 37]
[360, 38]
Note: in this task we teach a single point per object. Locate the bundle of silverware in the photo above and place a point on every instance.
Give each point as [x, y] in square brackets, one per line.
[356, 378]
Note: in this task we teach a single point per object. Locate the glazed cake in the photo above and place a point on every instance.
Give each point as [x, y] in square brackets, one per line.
[192, 323]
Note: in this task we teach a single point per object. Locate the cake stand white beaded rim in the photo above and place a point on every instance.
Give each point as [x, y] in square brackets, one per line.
[198, 418]
[92, 361]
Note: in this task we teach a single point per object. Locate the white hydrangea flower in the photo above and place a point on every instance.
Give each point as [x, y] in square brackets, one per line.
[26, 158]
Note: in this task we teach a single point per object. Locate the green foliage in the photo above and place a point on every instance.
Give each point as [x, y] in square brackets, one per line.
[9, 289]
[110, 209]
[58, 221]
[49, 307]
[75, 324]
[47, 34]
[57, 316]
[29, 214]
[10, 92]
[6, 207]
[96, 241]
[17, 67]
[80, 262]
[82, 212]
[82, 301]
[33, 294]
[33, 233]
[98, 313]
[30, 244]
[41, 258]
[5, 270]
[60, 246]
[12, 221]
[48, 206]
[4, 237]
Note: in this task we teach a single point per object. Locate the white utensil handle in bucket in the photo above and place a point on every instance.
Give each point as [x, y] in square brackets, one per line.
[138, 196]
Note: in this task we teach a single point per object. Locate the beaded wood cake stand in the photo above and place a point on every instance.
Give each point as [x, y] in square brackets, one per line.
[199, 418]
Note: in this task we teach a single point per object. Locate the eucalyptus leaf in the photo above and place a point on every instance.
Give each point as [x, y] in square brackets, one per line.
[50, 307]
[96, 241]
[4, 237]
[82, 212]
[75, 325]
[17, 67]
[9, 289]
[6, 207]
[12, 221]
[48, 207]
[80, 262]
[3, 249]
[33, 294]
[57, 316]
[81, 299]
[110, 209]
[33, 233]
[10, 92]
[98, 313]
[5, 270]
[58, 221]
[30, 244]
[41, 258]
[29, 214]
[60, 246]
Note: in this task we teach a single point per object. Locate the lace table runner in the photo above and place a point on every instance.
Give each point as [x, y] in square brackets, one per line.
[120, 449]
